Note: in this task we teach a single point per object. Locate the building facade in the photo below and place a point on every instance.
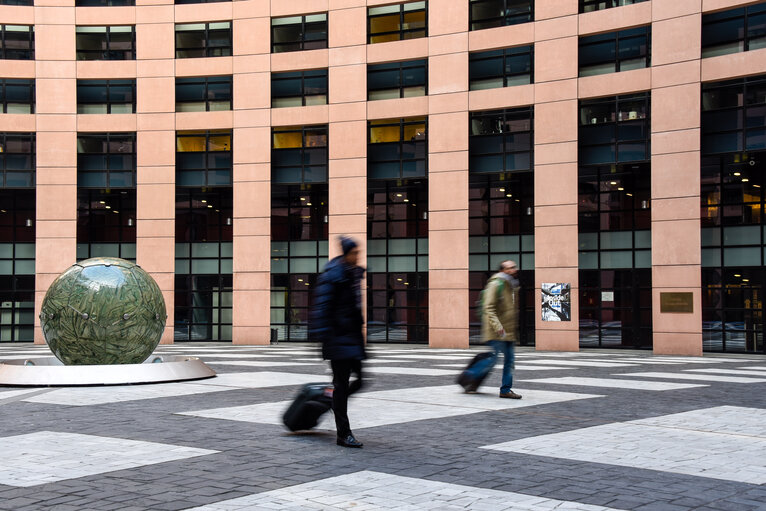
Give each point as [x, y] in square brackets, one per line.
[614, 148]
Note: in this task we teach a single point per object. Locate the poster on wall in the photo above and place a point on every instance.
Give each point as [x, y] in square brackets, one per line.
[557, 305]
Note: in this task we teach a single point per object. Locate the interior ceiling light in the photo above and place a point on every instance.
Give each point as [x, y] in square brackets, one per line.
[736, 173]
[501, 189]
[745, 180]
[621, 188]
[204, 201]
[612, 183]
[108, 207]
[210, 206]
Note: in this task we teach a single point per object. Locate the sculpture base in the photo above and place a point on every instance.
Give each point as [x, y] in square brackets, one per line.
[50, 372]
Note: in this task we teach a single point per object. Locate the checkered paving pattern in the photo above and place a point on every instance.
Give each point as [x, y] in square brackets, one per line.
[595, 430]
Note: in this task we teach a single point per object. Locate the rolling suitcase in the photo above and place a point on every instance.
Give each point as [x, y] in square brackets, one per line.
[478, 369]
[312, 401]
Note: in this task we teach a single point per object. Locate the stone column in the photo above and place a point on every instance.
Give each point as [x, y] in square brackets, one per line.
[556, 238]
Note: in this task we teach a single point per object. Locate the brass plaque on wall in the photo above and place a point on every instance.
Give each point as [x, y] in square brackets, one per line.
[676, 302]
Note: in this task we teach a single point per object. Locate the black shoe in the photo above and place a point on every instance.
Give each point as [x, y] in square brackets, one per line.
[349, 441]
[510, 395]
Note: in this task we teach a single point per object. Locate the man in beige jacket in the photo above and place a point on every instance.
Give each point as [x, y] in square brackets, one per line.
[500, 320]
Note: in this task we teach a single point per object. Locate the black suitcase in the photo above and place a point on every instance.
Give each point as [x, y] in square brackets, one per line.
[312, 401]
[477, 370]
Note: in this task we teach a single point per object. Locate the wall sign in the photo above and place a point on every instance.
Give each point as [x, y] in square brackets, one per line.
[680, 303]
[556, 303]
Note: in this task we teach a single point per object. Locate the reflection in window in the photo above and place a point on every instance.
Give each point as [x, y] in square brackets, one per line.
[299, 88]
[734, 115]
[296, 33]
[614, 129]
[17, 42]
[103, 3]
[106, 43]
[106, 160]
[203, 158]
[501, 140]
[17, 159]
[615, 51]
[397, 260]
[17, 265]
[299, 154]
[106, 223]
[397, 148]
[17, 96]
[598, 5]
[106, 96]
[499, 13]
[203, 94]
[397, 79]
[396, 22]
[734, 30]
[204, 254]
[500, 68]
[203, 40]
[16, 2]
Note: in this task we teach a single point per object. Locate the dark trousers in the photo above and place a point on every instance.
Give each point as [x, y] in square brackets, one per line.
[341, 372]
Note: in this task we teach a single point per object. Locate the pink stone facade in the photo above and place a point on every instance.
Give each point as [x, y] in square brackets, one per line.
[674, 80]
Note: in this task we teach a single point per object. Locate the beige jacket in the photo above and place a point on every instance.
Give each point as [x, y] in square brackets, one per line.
[500, 309]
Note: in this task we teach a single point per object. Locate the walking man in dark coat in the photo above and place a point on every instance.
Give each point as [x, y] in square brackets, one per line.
[337, 322]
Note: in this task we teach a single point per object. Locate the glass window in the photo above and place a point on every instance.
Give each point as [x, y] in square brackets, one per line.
[198, 1]
[734, 115]
[106, 43]
[397, 148]
[397, 79]
[203, 94]
[734, 30]
[614, 129]
[106, 223]
[499, 13]
[396, 22]
[203, 158]
[299, 88]
[106, 96]
[299, 154]
[501, 141]
[598, 5]
[106, 160]
[17, 96]
[16, 2]
[500, 68]
[17, 42]
[17, 264]
[17, 159]
[204, 40]
[615, 51]
[296, 33]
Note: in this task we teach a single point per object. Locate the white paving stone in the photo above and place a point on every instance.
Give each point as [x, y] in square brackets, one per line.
[731, 372]
[386, 407]
[420, 371]
[87, 396]
[753, 368]
[46, 456]
[578, 363]
[615, 383]
[726, 443]
[260, 363]
[262, 379]
[452, 356]
[699, 377]
[380, 491]
[11, 394]
[517, 367]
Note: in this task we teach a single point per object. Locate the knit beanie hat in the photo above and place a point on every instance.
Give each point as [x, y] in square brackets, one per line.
[347, 244]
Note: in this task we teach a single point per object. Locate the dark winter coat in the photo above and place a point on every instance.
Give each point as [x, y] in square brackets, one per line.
[336, 317]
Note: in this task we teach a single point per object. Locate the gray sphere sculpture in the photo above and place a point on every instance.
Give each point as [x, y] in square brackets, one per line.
[103, 310]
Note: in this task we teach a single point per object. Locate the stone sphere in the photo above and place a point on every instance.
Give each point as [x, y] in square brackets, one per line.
[103, 310]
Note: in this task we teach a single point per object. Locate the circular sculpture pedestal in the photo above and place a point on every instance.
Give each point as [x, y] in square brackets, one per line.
[50, 372]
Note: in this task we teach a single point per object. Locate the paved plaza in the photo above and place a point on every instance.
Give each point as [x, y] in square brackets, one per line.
[595, 430]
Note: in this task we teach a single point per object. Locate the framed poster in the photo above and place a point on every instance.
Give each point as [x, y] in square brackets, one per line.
[557, 305]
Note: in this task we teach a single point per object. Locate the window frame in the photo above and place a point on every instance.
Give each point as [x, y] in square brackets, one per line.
[741, 114]
[614, 128]
[206, 50]
[401, 67]
[104, 3]
[505, 55]
[305, 153]
[301, 77]
[30, 173]
[106, 53]
[13, 53]
[502, 20]
[597, 66]
[400, 33]
[712, 22]
[206, 168]
[587, 5]
[106, 139]
[419, 149]
[17, 82]
[302, 44]
[92, 204]
[108, 85]
[508, 117]
[205, 101]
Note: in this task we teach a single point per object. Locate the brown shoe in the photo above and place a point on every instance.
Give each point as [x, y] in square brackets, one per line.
[510, 395]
